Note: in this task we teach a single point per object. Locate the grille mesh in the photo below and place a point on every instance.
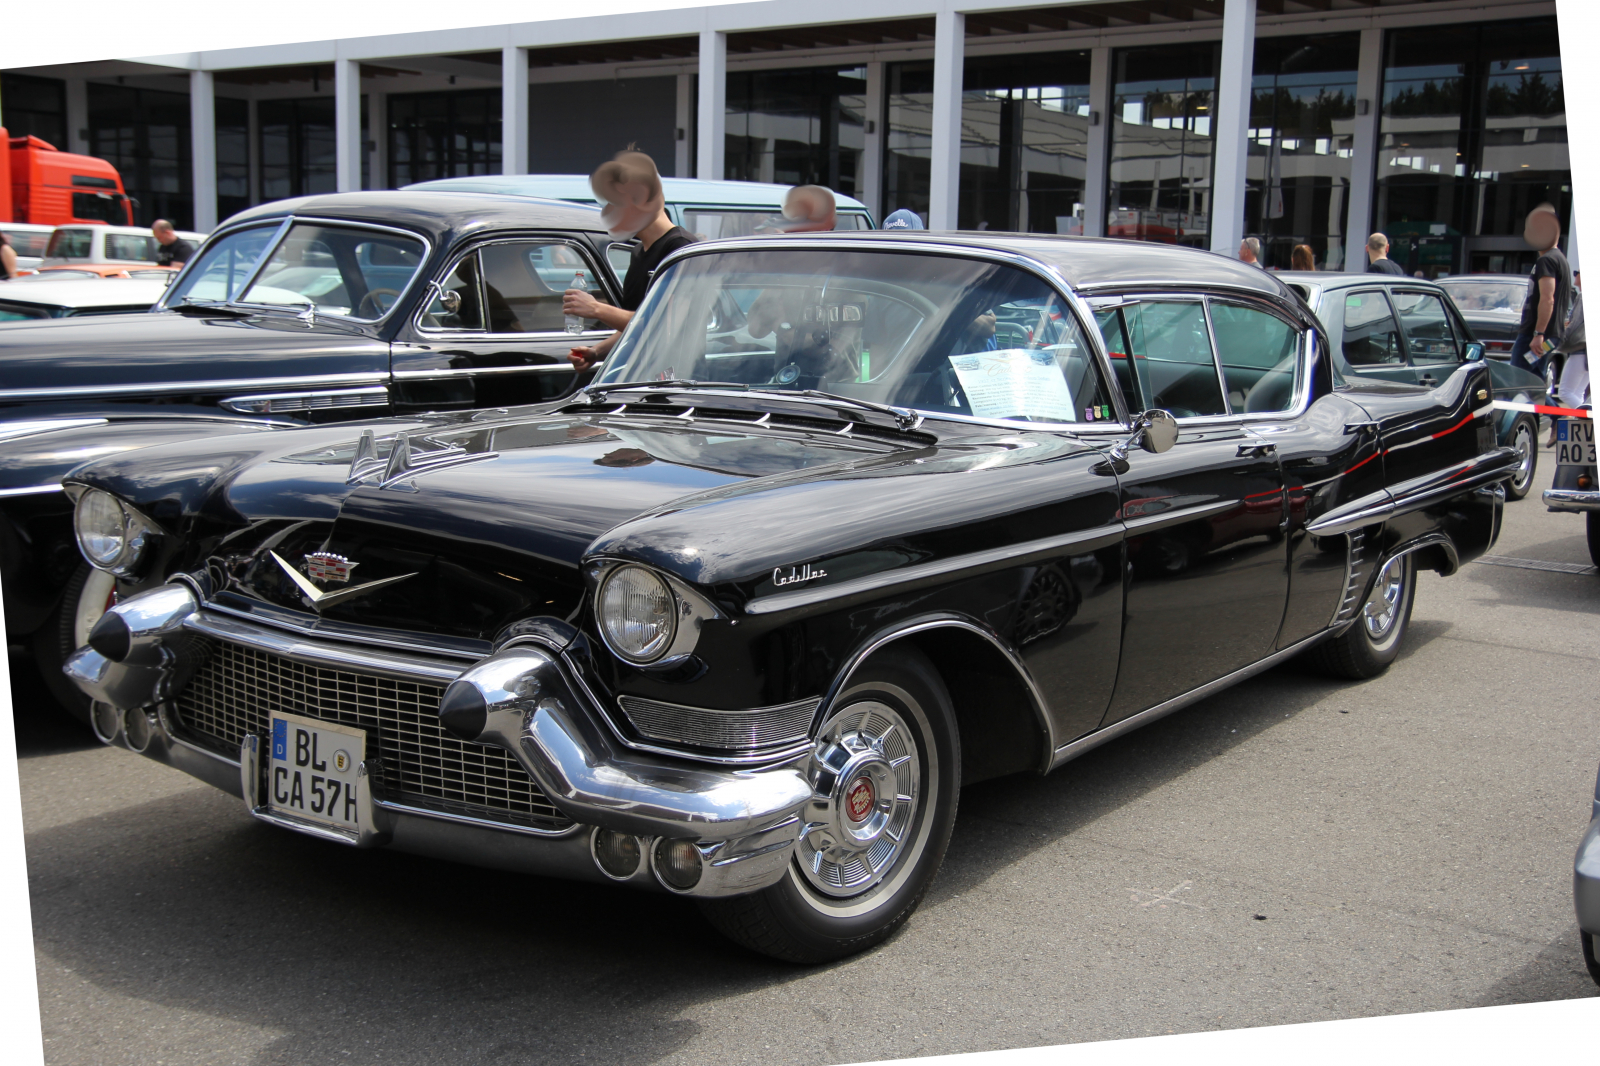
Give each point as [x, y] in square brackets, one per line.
[753, 730]
[419, 763]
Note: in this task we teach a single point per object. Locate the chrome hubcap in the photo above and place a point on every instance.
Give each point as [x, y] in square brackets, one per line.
[865, 784]
[1382, 608]
[1524, 446]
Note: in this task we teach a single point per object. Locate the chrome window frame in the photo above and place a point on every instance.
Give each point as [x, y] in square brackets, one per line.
[1044, 271]
[1446, 304]
[288, 223]
[486, 333]
[165, 304]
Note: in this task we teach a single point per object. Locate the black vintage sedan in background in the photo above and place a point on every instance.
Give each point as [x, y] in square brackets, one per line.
[298, 312]
[847, 522]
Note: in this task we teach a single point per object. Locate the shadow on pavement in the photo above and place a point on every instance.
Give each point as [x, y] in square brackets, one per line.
[42, 727]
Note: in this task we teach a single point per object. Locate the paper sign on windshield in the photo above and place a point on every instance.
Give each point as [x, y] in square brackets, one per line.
[1014, 383]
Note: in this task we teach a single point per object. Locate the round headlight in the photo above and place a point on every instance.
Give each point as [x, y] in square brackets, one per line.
[102, 528]
[638, 614]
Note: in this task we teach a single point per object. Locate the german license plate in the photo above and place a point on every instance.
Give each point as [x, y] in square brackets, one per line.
[312, 772]
[1575, 442]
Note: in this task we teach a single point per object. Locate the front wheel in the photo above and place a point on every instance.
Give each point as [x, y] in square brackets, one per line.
[885, 773]
[1372, 641]
[1525, 441]
[88, 595]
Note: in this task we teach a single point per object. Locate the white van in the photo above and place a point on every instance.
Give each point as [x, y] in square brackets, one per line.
[106, 244]
[29, 242]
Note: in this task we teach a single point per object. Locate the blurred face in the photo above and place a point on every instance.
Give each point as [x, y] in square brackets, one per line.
[808, 208]
[1542, 230]
[631, 211]
[1245, 253]
[164, 234]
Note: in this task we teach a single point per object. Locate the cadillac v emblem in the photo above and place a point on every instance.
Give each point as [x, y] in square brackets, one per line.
[318, 565]
[329, 568]
[797, 574]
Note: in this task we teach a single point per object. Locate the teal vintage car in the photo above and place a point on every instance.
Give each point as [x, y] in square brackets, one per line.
[1409, 331]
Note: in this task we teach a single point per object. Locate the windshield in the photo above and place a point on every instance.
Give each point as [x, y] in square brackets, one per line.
[937, 333]
[1505, 295]
[223, 267]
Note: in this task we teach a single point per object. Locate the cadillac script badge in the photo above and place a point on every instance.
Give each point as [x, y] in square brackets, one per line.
[328, 567]
[797, 574]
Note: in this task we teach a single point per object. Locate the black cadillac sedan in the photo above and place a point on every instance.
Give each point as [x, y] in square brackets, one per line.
[321, 309]
[846, 523]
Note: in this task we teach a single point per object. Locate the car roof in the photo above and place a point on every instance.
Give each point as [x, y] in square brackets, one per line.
[436, 213]
[85, 292]
[1087, 263]
[682, 191]
[26, 227]
[140, 231]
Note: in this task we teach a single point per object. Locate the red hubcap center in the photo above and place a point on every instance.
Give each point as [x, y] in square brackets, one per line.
[859, 799]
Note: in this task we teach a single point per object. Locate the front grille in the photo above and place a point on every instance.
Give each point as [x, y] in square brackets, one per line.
[755, 730]
[418, 763]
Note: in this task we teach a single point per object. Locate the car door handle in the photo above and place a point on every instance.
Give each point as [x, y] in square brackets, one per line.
[1256, 451]
[1427, 379]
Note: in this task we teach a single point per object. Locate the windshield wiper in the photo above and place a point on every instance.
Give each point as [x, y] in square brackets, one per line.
[597, 393]
[190, 306]
[904, 417]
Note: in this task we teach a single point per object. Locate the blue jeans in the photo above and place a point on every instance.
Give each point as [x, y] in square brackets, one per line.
[1519, 354]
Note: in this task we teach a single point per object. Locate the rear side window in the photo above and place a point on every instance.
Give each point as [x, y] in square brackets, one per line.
[28, 243]
[1428, 329]
[1258, 355]
[1168, 347]
[70, 244]
[1371, 337]
[130, 246]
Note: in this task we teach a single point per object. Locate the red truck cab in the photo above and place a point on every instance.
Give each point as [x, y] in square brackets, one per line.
[50, 187]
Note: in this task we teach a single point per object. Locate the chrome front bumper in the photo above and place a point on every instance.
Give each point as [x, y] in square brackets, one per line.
[744, 822]
[1574, 500]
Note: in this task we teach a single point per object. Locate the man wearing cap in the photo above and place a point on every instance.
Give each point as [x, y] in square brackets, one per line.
[903, 219]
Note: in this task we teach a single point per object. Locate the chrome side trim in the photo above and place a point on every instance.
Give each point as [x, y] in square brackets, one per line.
[228, 385]
[1355, 579]
[1368, 510]
[1086, 540]
[339, 657]
[33, 426]
[788, 725]
[1453, 481]
[31, 490]
[1428, 540]
[1041, 707]
[269, 403]
[467, 819]
[538, 368]
[1068, 752]
[1147, 523]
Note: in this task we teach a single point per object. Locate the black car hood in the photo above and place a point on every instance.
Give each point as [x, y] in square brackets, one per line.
[169, 347]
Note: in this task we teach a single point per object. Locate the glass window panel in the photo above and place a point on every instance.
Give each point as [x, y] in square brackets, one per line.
[523, 283]
[1371, 337]
[18, 313]
[1428, 328]
[797, 127]
[1163, 100]
[70, 244]
[443, 135]
[336, 270]
[1170, 349]
[1259, 353]
[130, 246]
[144, 133]
[459, 306]
[224, 266]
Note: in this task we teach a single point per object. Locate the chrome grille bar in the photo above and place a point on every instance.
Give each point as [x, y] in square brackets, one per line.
[758, 729]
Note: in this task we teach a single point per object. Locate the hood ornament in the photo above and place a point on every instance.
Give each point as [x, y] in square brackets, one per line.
[325, 570]
[405, 462]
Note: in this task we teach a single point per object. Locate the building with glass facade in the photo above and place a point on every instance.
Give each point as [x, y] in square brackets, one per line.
[1438, 122]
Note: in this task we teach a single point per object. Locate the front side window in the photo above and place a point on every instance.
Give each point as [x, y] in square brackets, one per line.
[1371, 337]
[350, 272]
[223, 267]
[70, 244]
[523, 282]
[457, 304]
[937, 333]
[1428, 329]
[1258, 353]
[1167, 351]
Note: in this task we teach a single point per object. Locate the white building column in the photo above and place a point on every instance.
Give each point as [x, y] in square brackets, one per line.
[253, 153]
[1232, 122]
[711, 129]
[944, 185]
[378, 139]
[683, 122]
[347, 124]
[203, 149]
[870, 190]
[1364, 149]
[514, 117]
[1095, 186]
[77, 116]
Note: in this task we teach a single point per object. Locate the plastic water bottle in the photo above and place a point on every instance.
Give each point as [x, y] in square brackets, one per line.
[575, 322]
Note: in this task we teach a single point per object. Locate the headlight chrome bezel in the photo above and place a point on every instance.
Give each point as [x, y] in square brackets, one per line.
[135, 534]
[691, 611]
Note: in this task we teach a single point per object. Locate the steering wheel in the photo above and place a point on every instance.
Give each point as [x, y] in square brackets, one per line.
[372, 297]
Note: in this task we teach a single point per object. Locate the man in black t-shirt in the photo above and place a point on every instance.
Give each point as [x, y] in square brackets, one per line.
[1544, 311]
[171, 249]
[1378, 261]
[629, 187]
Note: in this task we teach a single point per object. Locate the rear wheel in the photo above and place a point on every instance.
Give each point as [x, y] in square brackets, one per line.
[1525, 441]
[1373, 640]
[89, 593]
[886, 772]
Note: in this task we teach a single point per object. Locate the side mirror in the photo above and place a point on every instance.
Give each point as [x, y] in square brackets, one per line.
[1160, 430]
[1474, 352]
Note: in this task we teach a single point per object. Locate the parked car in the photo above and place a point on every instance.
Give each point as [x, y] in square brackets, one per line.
[40, 297]
[847, 522]
[1492, 307]
[708, 209]
[1409, 332]
[77, 246]
[29, 242]
[301, 311]
[147, 271]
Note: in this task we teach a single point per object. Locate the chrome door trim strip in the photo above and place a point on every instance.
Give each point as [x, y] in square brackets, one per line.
[1089, 742]
[1182, 514]
[31, 490]
[460, 372]
[1041, 706]
[32, 427]
[1088, 540]
[1368, 510]
[403, 667]
[357, 396]
[228, 385]
[480, 823]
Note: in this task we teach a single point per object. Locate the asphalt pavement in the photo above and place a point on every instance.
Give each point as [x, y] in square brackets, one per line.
[1295, 849]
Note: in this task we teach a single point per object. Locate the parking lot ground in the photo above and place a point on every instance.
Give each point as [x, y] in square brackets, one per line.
[1294, 849]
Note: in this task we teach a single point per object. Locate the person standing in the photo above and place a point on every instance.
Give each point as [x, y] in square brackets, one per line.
[904, 218]
[173, 250]
[1378, 261]
[8, 259]
[1302, 258]
[629, 187]
[1544, 310]
[1250, 251]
